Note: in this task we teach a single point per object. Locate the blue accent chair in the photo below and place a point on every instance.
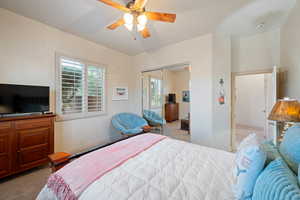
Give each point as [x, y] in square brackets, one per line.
[153, 118]
[128, 124]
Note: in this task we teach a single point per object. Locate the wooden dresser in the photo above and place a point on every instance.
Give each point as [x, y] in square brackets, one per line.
[171, 112]
[25, 142]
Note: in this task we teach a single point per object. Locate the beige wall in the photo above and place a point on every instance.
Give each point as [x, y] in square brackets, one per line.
[169, 85]
[256, 52]
[250, 101]
[181, 81]
[198, 52]
[221, 69]
[27, 56]
[290, 52]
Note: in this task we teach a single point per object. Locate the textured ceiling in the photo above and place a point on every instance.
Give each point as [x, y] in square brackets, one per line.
[269, 14]
[88, 19]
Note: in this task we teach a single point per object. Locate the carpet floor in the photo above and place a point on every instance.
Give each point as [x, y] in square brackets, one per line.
[24, 186]
[173, 130]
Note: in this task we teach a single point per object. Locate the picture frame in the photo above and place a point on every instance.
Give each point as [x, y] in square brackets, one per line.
[186, 96]
[120, 93]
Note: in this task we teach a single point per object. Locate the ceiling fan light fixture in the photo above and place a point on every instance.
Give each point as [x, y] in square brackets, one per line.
[142, 19]
[129, 26]
[128, 18]
[140, 27]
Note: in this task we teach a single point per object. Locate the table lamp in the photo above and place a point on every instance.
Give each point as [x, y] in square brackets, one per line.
[286, 111]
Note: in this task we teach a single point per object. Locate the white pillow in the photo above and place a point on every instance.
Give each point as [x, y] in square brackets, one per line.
[250, 160]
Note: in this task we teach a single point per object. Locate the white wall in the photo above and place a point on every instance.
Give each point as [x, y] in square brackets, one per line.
[290, 52]
[198, 52]
[221, 70]
[256, 52]
[250, 101]
[27, 56]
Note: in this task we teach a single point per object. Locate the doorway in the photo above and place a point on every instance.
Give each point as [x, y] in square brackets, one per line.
[254, 94]
[166, 91]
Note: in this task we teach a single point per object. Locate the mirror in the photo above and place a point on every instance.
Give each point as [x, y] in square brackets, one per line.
[153, 99]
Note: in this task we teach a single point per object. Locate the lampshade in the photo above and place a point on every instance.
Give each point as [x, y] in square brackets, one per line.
[286, 110]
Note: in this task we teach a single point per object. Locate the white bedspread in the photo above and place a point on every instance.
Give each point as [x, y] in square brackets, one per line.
[171, 169]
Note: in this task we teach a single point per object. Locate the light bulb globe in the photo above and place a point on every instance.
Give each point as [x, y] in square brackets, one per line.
[142, 19]
[140, 27]
[128, 18]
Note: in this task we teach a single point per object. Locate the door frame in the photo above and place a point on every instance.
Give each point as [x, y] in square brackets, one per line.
[163, 68]
[233, 100]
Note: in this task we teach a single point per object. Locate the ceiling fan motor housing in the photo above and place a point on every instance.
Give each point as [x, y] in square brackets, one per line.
[130, 5]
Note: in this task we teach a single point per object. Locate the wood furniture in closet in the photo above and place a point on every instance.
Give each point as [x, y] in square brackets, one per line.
[25, 142]
[171, 112]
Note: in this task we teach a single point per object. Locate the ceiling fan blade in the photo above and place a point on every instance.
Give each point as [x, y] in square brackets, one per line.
[115, 25]
[145, 33]
[139, 4]
[115, 5]
[164, 17]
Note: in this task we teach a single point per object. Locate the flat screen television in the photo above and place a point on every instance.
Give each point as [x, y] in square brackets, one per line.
[23, 99]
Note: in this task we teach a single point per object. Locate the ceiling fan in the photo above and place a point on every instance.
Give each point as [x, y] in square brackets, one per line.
[137, 17]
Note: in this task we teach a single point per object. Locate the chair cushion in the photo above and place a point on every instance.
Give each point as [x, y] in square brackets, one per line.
[276, 182]
[289, 148]
[271, 151]
[250, 160]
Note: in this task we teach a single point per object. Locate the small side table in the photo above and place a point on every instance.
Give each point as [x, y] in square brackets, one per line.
[185, 125]
[59, 160]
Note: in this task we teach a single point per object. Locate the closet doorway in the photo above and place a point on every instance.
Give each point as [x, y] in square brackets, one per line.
[166, 92]
[253, 96]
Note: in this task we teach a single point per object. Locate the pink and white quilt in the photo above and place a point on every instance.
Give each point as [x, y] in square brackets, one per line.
[167, 169]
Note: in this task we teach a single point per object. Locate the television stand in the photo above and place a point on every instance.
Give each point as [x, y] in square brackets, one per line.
[25, 142]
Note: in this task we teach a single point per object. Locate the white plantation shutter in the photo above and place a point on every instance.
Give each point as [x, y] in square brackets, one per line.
[72, 81]
[95, 89]
[81, 89]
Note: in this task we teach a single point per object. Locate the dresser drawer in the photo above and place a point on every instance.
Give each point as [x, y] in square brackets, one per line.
[4, 144]
[5, 154]
[33, 137]
[5, 126]
[32, 123]
[32, 157]
[4, 165]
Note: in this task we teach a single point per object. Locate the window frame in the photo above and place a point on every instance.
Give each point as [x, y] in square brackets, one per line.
[150, 92]
[58, 80]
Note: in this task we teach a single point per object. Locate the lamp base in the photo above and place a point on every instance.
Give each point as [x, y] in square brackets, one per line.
[285, 126]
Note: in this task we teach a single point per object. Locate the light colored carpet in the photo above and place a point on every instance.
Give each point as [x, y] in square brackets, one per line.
[173, 130]
[24, 186]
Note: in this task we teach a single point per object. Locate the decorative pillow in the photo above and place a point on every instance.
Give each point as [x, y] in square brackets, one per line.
[271, 151]
[249, 140]
[290, 148]
[250, 161]
[276, 182]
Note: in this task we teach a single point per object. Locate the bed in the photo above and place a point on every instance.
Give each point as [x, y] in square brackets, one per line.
[170, 169]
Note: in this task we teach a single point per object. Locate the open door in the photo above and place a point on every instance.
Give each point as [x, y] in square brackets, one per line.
[271, 126]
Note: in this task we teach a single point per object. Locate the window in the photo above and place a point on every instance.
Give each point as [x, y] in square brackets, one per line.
[80, 90]
[155, 93]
